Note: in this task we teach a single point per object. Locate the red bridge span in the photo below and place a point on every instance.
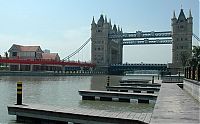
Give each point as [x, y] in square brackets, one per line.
[45, 62]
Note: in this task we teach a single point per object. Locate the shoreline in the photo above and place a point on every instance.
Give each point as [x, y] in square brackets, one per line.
[25, 73]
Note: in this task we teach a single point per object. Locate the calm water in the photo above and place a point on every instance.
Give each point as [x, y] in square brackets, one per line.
[62, 91]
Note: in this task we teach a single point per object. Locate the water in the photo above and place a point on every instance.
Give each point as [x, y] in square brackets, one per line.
[62, 91]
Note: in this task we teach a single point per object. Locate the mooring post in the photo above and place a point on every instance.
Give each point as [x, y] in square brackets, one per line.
[152, 79]
[108, 81]
[179, 75]
[19, 93]
[158, 77]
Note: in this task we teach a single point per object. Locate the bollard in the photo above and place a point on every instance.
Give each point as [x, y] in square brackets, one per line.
[179, 76]
[152, 79]
[158, 77]
[198, 72]
[108, 81]
[19, 93]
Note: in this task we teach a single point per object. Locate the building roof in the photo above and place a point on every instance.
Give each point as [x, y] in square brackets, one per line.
[25, 48]
[51, 56]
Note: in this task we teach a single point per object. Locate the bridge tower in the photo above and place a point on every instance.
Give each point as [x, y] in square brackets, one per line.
[182, 30]
[105, 51]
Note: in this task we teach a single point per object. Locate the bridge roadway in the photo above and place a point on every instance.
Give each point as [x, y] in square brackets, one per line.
[140, 34]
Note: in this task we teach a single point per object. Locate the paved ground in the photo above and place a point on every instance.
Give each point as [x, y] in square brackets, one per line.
[175, 106]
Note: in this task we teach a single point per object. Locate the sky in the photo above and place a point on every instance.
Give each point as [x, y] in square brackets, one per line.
[62, 26]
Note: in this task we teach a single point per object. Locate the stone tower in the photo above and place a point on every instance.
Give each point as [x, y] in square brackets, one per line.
[182, 39]
[105, 51]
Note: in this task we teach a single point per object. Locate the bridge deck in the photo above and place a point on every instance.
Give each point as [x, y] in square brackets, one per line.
[132, 88]
[43, 113]
[175, 106]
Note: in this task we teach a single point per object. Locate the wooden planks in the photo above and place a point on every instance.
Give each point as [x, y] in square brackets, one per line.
[175, 106]
[77, 115]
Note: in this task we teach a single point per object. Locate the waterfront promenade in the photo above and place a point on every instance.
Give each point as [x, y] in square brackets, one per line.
[175, 106]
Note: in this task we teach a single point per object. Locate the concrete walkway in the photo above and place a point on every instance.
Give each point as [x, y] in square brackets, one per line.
[175, 106]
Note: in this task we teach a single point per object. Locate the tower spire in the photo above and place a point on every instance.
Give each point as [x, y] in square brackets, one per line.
[106, 19]
[174, 14]
[93, 22]
[190, 13]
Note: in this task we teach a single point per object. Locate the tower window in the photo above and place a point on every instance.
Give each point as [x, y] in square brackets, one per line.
[99, 30]
[181, 39]
[181, 26]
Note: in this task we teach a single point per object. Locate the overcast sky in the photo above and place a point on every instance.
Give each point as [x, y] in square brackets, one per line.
[63, 25]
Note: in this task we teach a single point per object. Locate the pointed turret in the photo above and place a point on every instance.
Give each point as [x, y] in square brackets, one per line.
[93, 21]
[174, 19]
[174, 15]
[106, 19]
[118, 29]
[101, 21]
[115, 28]
[93, 25]
[190, 14]
[190, 18]
[181, 16]
[110, 24]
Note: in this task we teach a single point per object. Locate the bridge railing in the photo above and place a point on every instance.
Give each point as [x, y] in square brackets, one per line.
[44, 61]
[140, 34]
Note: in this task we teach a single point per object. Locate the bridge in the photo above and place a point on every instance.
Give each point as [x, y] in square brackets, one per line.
[120, 69]
[48, 65]
[107, 43]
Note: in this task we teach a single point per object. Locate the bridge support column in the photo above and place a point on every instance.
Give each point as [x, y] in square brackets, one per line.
[31, 67]
[19, 67]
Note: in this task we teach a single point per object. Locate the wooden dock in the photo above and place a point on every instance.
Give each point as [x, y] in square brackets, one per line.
[141, 84]
[132, 88]
[175, 106]
[52, 114]
[135, 81]
[121, 96]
